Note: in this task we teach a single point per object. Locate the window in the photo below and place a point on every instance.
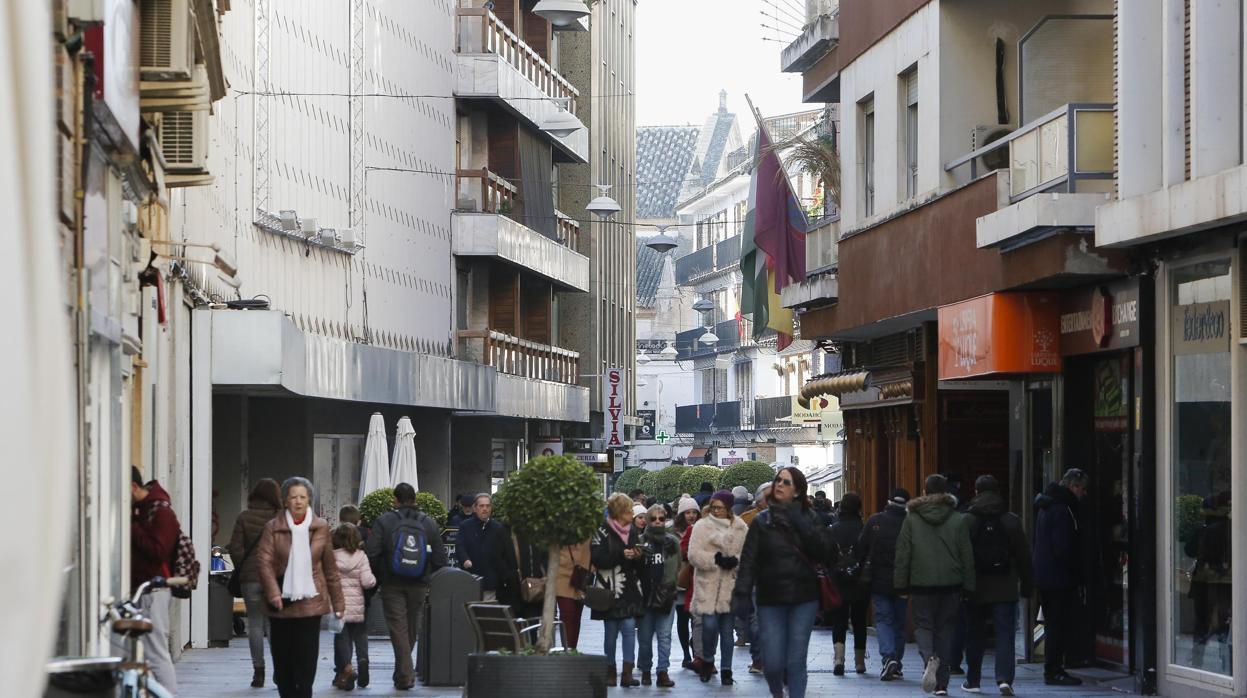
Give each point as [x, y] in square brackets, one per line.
[738, 217]
[909, 137]
[866, 155]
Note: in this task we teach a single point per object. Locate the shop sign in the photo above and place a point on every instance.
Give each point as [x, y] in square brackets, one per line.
[546, 447]
[1103, 318]
[823, 410]
[647, 430]
[1000, 333]
[1201, 328]
[730, 456]
[613, 406]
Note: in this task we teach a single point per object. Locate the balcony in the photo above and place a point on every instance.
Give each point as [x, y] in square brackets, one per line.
[481, 226]
[1060, 169]
[772, 413]
[822, 262]
[721, 256]
[689, 346]
[708, 417]
[727, 253]
[820, 36]
[495, 64]
[520, 357]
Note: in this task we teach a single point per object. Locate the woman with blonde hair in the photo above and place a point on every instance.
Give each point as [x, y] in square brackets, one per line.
[714, 550]
[616, 554]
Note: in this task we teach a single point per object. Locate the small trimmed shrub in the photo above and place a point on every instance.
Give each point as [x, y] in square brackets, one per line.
[629, 480]
[432, 507]
[375, 504]
[694, 475]
[748, 474]
[665, 484]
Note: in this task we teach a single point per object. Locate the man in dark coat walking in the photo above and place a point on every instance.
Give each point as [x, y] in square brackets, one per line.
[1058, 569]
[479, 545]
[877, 550]
[1002, 566]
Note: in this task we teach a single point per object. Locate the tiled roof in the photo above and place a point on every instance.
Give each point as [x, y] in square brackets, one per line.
[648, 274]
[663, 156]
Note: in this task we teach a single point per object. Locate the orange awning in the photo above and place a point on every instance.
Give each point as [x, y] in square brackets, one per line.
[1000, 333]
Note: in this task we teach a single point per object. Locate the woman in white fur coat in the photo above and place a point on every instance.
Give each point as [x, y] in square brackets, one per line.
[714, 551]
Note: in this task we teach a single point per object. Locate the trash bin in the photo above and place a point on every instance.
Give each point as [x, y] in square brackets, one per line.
[220, 609]
[444, 662]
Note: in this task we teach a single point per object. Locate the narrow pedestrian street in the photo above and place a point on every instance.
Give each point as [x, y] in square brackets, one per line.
[225, 673]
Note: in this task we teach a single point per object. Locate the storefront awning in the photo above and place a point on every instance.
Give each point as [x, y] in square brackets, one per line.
[1000, 333]
[264, 349]
[698, 455]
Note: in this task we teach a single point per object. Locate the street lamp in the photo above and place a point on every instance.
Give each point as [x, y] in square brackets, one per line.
[662, 243]
[603, 206]
[563, 123]
[709, 337]
[642, 359]
[703, 305]
[669, 352]
[561, 13]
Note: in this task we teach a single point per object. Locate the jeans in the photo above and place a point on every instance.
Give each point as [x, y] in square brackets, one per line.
[714, 627]
[935, 622]
[890, 626]
[570, 611]
[257, 620]
[404, 613]
[1058, 620]
[755, 639]
[785, 639]
[295, 644]
[354, 636]
[156, 643]
[626, 627]
[850, 612]
[655, 622]
[1004, 618]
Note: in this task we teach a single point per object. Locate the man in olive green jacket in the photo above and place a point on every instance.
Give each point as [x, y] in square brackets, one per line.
[935, 565]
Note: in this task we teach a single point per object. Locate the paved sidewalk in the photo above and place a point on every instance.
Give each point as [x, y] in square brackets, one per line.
[226, 673]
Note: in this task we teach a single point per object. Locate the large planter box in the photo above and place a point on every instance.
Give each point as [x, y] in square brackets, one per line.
[512, 676]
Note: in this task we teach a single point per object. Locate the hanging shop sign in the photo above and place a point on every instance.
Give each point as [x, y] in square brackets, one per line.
[613, 406]
[646, 431]
[1000, 333]
[1101, 318]
[731, 456]
[546, 447]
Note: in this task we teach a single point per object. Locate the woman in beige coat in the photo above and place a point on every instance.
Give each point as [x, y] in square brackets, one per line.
[301, 584]
[714, 551]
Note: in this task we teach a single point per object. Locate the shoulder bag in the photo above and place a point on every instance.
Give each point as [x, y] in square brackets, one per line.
[532, 589]
[235, 578]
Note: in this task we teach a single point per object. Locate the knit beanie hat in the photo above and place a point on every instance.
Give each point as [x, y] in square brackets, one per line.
[687, 504]
[761, 491]
[740, 492]
[900, 495]
[725, 497]
[639, 510]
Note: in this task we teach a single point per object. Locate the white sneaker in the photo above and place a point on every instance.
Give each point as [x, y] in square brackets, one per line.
[1005, 689]
[929, 678]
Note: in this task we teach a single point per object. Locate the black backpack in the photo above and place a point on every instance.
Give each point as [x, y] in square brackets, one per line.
[992, 549]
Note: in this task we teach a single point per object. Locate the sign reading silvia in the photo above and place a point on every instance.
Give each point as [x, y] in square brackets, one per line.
[613, 406]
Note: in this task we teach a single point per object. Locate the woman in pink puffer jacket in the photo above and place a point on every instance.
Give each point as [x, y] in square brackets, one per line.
[356, 576]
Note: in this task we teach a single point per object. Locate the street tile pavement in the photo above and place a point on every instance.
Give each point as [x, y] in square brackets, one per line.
[226, 673]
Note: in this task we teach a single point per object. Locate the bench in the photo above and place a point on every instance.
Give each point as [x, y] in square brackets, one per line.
[498, 629]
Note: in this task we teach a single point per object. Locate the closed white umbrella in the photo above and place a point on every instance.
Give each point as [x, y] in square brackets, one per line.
[404, 465]
[376, 473]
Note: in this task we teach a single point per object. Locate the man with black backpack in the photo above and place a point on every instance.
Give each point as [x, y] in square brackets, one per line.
[404, 548]
[1002, 566]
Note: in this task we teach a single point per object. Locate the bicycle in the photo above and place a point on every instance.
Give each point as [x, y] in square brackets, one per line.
[123, 677]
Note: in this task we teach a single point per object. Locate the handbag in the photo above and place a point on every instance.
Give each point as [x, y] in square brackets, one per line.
[828, 595]
[235, 578]
[597, 597]
[684, 578]
[579, 577]
[532, 589]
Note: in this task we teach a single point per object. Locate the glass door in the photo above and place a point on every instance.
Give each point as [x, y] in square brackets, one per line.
[1112, 446]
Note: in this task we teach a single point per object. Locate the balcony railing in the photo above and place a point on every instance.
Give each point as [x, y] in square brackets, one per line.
[772, 412]
[568, 230]
[822, 246]
[689, 345]
[708, 417]
[520, 357]
[487, 192]
[480, 31]
[1060, 151]
[727, 253]
[722, 255]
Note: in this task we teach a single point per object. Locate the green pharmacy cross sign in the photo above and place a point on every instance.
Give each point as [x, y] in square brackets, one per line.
[662, 437]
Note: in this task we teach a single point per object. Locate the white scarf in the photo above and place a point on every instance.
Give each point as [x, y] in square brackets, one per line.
[298, 583]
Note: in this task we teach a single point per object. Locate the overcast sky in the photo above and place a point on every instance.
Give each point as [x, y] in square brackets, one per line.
[687, 50]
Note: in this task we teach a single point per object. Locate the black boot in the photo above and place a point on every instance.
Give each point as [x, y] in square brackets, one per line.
[362, 680]
[725, 676]
[257, 679]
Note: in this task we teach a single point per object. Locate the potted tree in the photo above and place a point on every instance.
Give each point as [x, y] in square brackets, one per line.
[553, 501]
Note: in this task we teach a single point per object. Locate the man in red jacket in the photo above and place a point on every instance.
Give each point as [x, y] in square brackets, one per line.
[153, 536]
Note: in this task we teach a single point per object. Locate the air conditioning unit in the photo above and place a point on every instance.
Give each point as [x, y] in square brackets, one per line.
[984, 135]
[166, 40]
[183, 137]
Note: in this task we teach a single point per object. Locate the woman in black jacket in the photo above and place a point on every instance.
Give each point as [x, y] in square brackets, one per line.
[782, 547]
[263, 505]
[616, 555]
[854, 595]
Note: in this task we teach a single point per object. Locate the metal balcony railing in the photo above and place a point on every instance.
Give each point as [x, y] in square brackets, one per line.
[707, 417]
[688, 344]
[694, 265]
[727, 253]
[520, 357]
[480, 31]
[772, 412]
[1055, 152]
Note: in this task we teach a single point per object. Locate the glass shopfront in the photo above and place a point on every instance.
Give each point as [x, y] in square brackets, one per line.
[1200, 466]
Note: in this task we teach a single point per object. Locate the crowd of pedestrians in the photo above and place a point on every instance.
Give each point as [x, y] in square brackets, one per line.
[727, 568]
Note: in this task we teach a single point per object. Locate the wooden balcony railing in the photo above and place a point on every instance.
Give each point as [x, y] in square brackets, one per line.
[520, 357]
[488, 192]
[568, 230]
[480, 31]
